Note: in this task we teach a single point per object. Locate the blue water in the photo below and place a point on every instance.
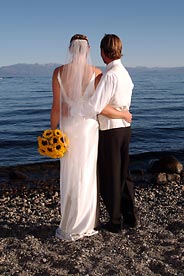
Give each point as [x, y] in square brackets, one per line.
[157, 107]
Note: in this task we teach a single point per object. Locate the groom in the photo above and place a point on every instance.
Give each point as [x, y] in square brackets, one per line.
[116, 187]
[115, 88]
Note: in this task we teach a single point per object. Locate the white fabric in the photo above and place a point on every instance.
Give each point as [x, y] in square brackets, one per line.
[77, 70]
[115, 88]
[78, 183]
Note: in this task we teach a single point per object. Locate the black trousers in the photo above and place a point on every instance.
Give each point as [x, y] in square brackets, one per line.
[115, 185]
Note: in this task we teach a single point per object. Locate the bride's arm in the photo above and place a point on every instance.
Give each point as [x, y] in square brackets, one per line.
[55, 111]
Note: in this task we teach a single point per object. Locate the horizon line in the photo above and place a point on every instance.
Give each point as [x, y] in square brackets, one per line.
[55, 63]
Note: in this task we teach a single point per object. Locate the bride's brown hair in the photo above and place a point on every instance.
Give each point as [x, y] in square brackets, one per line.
[79, 36]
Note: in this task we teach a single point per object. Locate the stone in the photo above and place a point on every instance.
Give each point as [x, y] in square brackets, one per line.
[167, 164]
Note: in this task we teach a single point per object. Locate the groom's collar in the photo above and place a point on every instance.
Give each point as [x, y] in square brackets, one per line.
[112, 63]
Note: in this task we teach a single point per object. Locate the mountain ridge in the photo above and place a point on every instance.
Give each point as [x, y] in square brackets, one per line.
[36, 69]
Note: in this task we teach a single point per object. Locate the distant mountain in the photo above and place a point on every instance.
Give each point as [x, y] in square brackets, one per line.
[151, 69]
[23, 69]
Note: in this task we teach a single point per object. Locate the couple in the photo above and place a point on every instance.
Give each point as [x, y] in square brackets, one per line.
[85, 101]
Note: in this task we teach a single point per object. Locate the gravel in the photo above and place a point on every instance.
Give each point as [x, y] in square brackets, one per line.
[30, 214]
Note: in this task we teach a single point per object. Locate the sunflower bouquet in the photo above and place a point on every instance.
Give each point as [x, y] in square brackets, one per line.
[53, 143]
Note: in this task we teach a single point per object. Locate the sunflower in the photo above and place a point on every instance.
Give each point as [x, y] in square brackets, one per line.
[53, 143]
[48, 133]
[57, 133]
[53, 140]
[42, 142]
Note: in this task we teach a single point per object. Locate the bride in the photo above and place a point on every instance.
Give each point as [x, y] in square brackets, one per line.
[72, 83]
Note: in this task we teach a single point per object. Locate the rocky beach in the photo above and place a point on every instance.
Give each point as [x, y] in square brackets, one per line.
[30, 214]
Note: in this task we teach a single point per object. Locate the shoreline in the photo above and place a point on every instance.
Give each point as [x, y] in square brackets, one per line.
[133, 156]
[30, 214]
[48, 170]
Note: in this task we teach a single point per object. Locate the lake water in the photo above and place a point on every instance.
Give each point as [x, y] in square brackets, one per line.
[157, 107]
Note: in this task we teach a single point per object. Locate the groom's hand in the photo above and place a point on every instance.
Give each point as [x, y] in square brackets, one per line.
[127, 116]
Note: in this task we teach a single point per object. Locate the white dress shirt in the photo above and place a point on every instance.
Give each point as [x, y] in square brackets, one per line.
[115, 88]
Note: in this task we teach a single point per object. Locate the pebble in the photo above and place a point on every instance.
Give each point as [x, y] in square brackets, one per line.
[31, 213]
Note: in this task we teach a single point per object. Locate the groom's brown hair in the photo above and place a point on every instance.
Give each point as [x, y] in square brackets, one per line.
[112, 46]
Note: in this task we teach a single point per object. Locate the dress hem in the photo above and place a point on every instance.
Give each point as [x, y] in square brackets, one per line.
[73, 237]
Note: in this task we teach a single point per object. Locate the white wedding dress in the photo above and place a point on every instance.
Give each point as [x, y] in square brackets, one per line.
[78, 180]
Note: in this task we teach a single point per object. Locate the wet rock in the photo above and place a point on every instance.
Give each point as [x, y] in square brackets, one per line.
[167, 164]
[17, 175]
[161, 178]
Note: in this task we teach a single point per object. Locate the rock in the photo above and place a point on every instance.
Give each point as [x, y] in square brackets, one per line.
[17, 175]
[161, 178]
[174, 177]
[167, 164]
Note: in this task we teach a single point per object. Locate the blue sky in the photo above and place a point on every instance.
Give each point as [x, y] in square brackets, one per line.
[38, 31]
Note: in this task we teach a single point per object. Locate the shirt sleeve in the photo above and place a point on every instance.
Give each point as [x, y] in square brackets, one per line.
[104, 92]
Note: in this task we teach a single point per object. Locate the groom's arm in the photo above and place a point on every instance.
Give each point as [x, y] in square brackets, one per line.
[98, 101]
[113, 113]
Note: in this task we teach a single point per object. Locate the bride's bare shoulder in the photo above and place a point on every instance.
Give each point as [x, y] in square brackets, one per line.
[57, 70]
[97, 71]
[98, 75]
